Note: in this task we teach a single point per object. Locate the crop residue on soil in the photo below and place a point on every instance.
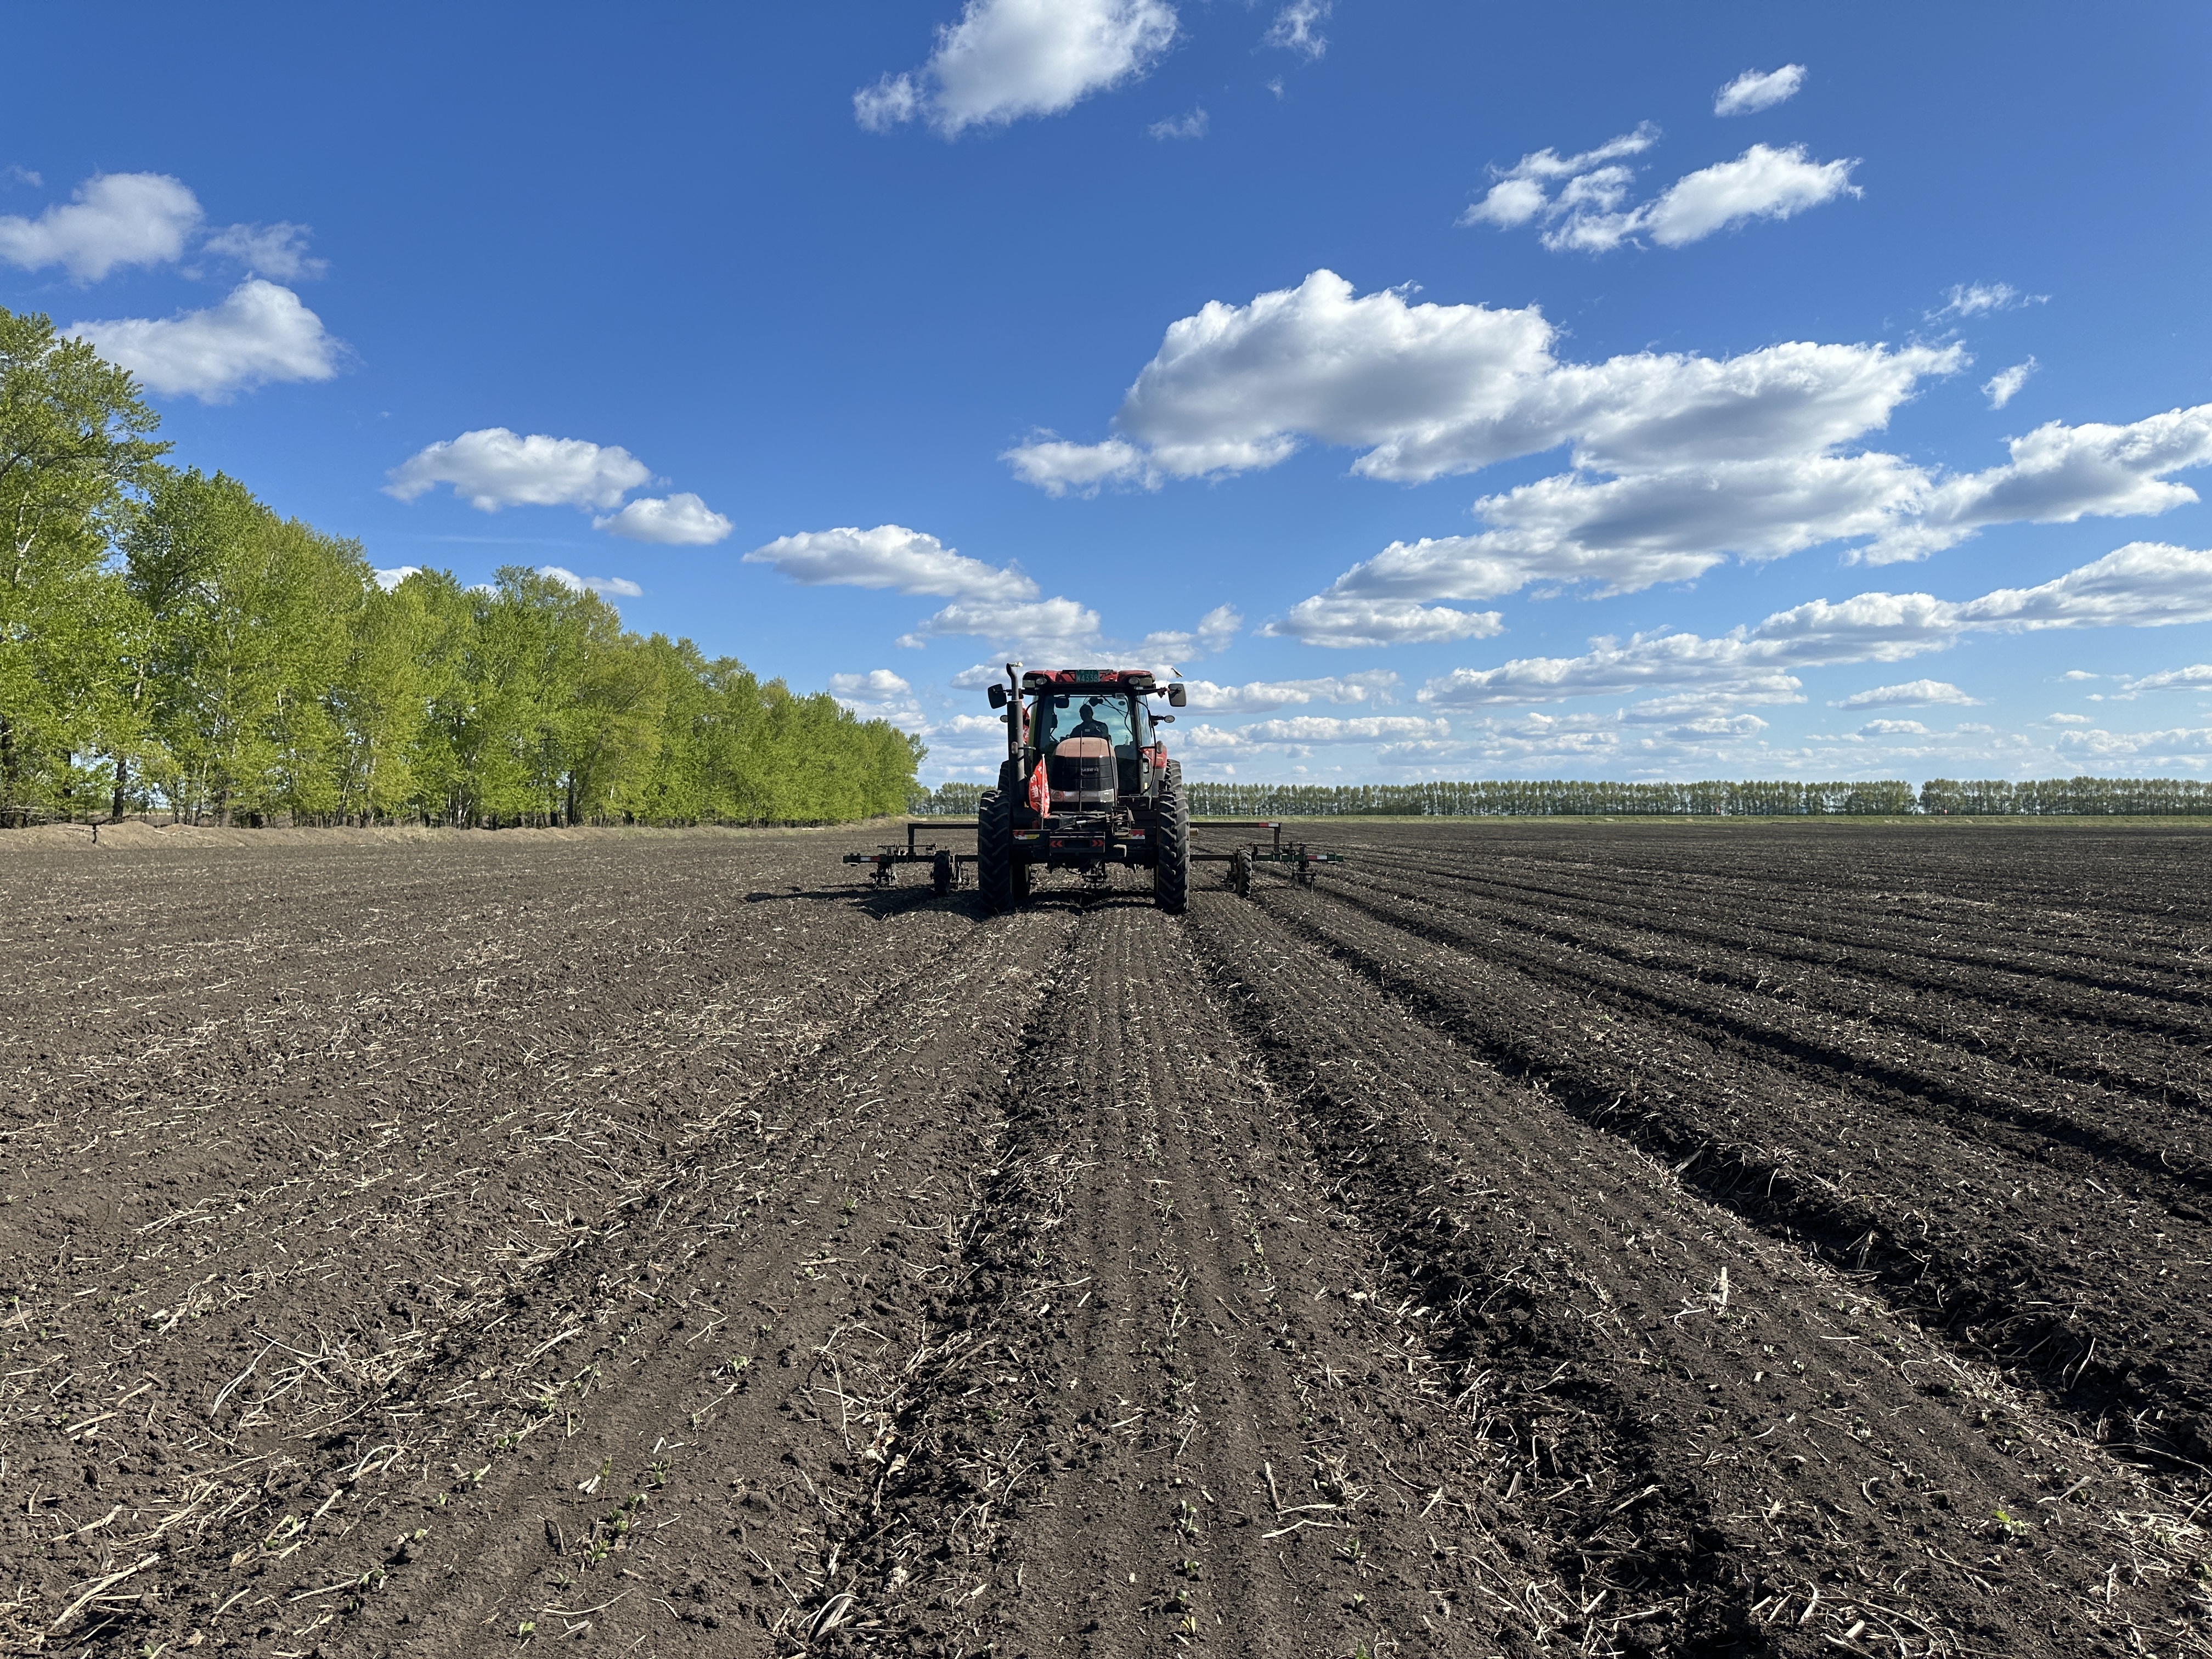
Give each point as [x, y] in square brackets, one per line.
[1666, 1240]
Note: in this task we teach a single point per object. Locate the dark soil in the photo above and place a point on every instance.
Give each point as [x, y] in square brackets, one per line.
[1595, 1241]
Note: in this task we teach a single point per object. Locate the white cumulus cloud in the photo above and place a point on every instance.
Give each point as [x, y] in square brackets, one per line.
[876, 685]
[620, 586]
[2142, 585]
[388, 580]
[880, 694]
[1755, 90]
[2180, 743]
[2198, 677]
[1678, 461]
[1058, 630]
[1346, 620]
[2058, 474]
[1002, 605]
[1763, 183]
[1522, 190]
[1580, 198]
[1424, 390]
[1265, 696]
[682, 521]
[493, 467]
[1215, 629]
[1004, 59]
[1058, 467]
[1892, 729]
[1301, 731]
[2001, 387]
[116, 219]
[261, 333]
[890, 557]
[1913, 694]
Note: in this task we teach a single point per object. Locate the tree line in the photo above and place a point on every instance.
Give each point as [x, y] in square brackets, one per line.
[2086, 796]
[169, 642]
[1585, 798]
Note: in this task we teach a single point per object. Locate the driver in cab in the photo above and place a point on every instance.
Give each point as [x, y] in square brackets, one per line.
[1090, 725]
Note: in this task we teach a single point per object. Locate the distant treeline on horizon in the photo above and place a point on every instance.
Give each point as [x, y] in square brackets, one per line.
[168, 643]
[1584, 798]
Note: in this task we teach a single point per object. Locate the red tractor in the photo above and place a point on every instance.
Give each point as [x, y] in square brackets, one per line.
[1086, 784]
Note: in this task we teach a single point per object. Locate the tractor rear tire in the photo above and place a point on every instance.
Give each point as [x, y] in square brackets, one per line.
[1171, 841]
[994, 851]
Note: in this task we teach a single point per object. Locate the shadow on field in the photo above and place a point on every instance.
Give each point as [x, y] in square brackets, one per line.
[884, 903]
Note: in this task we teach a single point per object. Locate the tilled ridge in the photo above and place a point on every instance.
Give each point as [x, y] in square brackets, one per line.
[1719, 1435]
[1849, 1173]
[1186, 1415]
[1533, 1241]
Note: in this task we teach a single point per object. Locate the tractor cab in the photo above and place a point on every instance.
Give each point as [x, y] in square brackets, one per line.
[1097, 747]
[1086, 783]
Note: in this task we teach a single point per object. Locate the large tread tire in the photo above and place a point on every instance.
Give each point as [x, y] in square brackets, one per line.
[1175, 774]
[1171, 872]
[994, 850]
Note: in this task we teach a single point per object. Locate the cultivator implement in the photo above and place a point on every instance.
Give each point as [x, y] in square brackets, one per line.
[945, 864]
[1300, 861]
[948, 870]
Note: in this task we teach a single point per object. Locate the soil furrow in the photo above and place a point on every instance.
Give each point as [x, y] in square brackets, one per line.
[1535, 1241]
[1976, 1092]
[2076, 1296]
[1696, 1353]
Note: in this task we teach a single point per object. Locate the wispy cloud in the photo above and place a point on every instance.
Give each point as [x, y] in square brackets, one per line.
[1754, 90]
[1192, 126]
[1978, 298]
[1296, 27]
[2001, 387]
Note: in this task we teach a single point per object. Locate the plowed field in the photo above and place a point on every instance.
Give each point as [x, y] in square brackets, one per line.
[1590, 1241]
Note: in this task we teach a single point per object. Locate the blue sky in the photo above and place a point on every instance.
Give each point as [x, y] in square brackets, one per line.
[1172, 332]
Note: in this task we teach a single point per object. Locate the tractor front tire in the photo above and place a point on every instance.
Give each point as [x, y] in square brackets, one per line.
[994, 850]
[1171, 870]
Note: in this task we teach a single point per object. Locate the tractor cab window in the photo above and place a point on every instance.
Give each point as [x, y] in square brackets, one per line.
[1060, 716]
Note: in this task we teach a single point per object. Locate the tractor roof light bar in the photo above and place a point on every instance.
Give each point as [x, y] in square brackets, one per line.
[1143, 681]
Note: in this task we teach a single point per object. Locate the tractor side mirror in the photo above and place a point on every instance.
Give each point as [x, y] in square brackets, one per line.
[1177, 696]
[998, 696]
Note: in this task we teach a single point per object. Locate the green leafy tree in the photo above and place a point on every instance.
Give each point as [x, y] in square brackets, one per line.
[74, 445]
[254, 613]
